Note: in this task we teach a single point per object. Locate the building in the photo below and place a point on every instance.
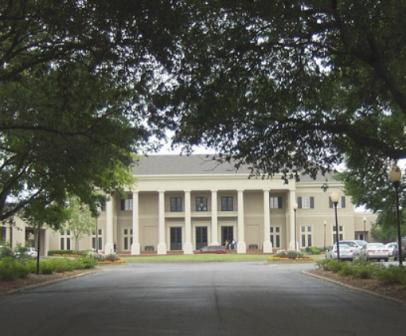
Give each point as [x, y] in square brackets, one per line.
[181, 203]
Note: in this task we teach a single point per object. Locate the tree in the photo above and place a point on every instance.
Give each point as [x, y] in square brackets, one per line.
[369, 186]
[291, 86]
[42, 212]
[73, 81]
[80, 222]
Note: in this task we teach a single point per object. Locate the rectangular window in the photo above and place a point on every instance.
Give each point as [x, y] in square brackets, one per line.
[340, 204]
[275, 202]
[275, 236]
[127, 204]
[201, 203]
[306, 236]
[340, 233]
[227, 203]
[305, 202]
[176, 204]
[100, 240]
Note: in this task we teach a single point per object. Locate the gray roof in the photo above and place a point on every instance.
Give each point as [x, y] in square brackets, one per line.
[184, 165]
[197, 165]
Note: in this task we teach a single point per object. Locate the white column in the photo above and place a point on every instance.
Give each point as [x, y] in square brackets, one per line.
[109, 247]
[188, 248]
[136, 247]
[46, 242]
[267, 246]
[161, 227]
[241, 246]
[292, 200]
[214, 221]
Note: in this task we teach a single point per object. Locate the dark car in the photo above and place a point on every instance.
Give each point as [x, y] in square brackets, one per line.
[216, 249]
[396, 254]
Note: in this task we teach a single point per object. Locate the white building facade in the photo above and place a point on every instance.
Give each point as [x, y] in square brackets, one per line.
[181, 203]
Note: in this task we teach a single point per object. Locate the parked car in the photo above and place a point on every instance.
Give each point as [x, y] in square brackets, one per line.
[391, 247]
[396, 254]
[374, 251]
[356, 245]
[211, 249]
[31, 252]
[346, 252]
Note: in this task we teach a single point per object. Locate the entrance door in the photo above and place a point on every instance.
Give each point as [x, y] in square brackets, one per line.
[227, 234]
[176, 238]
[201, 237]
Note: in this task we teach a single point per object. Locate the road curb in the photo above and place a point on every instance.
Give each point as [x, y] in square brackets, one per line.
[354, 288]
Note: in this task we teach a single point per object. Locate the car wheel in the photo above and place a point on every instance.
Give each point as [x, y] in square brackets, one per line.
[395, 258]
[386, 259]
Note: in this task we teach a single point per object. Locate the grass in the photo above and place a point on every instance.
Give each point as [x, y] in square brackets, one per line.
[197, 258]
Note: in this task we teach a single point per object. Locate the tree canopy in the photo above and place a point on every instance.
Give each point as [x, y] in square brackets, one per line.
[284, 86]
[73, 80]
[291, 86]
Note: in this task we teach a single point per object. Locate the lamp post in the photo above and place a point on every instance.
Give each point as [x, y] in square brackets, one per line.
[395, 176]
[365, 228]
[335, 198]
[325, 224]
[295, 206]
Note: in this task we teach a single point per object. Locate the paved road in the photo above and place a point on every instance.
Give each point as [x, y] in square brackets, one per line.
[199, 299]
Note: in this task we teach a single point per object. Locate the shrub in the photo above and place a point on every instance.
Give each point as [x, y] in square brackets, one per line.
[347, 269]
[6, 252]
[314, 250]
[393, 275]
[89, 262]
[11, 269]
[290, 254]
[59, 252]
[46, 267]
[62, 265]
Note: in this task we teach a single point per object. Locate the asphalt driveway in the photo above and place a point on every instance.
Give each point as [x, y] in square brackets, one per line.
[241, 298]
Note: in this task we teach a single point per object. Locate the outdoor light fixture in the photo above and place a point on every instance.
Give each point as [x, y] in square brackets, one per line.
[335, 197]
[295, 206]
[325, 224]
[395, 175]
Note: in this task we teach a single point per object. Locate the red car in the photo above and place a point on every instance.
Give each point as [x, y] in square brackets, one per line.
[211, 249]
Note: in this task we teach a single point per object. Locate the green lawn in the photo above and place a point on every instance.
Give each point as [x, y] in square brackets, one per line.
[197, 258]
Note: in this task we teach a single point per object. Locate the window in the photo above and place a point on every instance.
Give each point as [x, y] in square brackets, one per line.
[65, 240]
[305, 202]
[201, 204]
[126, 204]
[100, 240]
[103, 206]
[127, 239]
[276, 236]
[306, 236]
[340, 233]
[340, 204]
[227, 203]
[176, 204]
[275, 202]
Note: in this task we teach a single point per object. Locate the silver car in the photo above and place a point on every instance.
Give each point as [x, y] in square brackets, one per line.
[346, 252]
[374, 251]
[356, 245]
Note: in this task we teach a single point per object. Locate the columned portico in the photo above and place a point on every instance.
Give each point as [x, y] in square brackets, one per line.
[188, 248]
[136, 247]
[267, 245]
[161, 223]
[214, 219]
[241, 246]
[109, 247]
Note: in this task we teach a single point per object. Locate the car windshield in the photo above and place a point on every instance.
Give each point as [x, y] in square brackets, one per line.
[376, 245]
[352, 244]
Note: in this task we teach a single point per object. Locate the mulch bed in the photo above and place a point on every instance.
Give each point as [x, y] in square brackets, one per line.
[36, 279]
[393, 291]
